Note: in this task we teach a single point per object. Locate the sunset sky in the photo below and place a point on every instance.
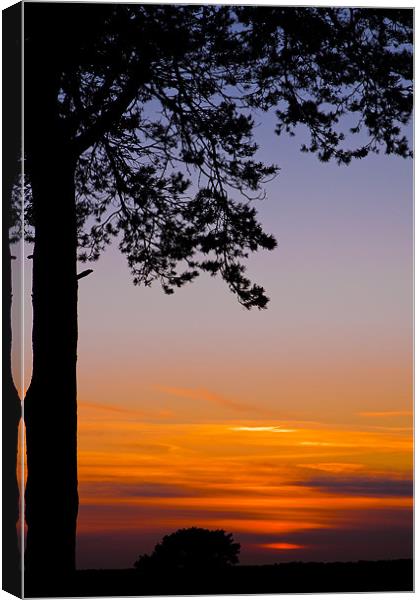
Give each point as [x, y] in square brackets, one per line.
[290, 427]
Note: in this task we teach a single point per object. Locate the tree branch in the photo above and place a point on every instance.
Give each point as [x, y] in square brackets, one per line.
[116, 109]
[84, 273]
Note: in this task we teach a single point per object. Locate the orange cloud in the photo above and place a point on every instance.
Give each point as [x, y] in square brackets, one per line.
[138, 476]
[258, 428]
[334, 467]
[94, 409]
[387, 413]
[206, 395]
[104, 407]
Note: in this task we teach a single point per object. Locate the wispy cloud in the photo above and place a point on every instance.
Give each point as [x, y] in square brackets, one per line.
[333, 467]
[386, 413]
[97, 409]
[360, 486]
[207, 396]
[104, 407]
[264, 428]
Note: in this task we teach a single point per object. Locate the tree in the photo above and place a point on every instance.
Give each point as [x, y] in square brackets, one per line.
[140, 127]
[192, 549]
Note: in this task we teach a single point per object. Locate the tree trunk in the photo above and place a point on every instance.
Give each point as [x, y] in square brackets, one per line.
[50, 408]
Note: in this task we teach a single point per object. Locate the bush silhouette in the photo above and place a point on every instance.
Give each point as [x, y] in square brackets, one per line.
[193, 548]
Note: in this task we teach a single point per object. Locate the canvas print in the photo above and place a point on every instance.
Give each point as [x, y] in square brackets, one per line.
[207, 299]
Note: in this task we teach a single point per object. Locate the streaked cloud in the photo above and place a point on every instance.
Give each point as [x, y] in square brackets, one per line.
[261, 428]
[333, 467]
[361, 486]
[98, 410]
[103, 407]
[318, 444]
[241, 475]
[203, 394]
[387, 413]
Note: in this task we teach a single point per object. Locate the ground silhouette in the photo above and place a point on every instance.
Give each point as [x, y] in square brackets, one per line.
[296, 577]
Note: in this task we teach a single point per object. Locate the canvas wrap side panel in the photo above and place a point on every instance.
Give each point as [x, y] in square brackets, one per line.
[11, 281]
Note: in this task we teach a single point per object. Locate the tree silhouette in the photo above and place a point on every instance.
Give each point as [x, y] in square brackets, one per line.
[138, 122]
[191, 549]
